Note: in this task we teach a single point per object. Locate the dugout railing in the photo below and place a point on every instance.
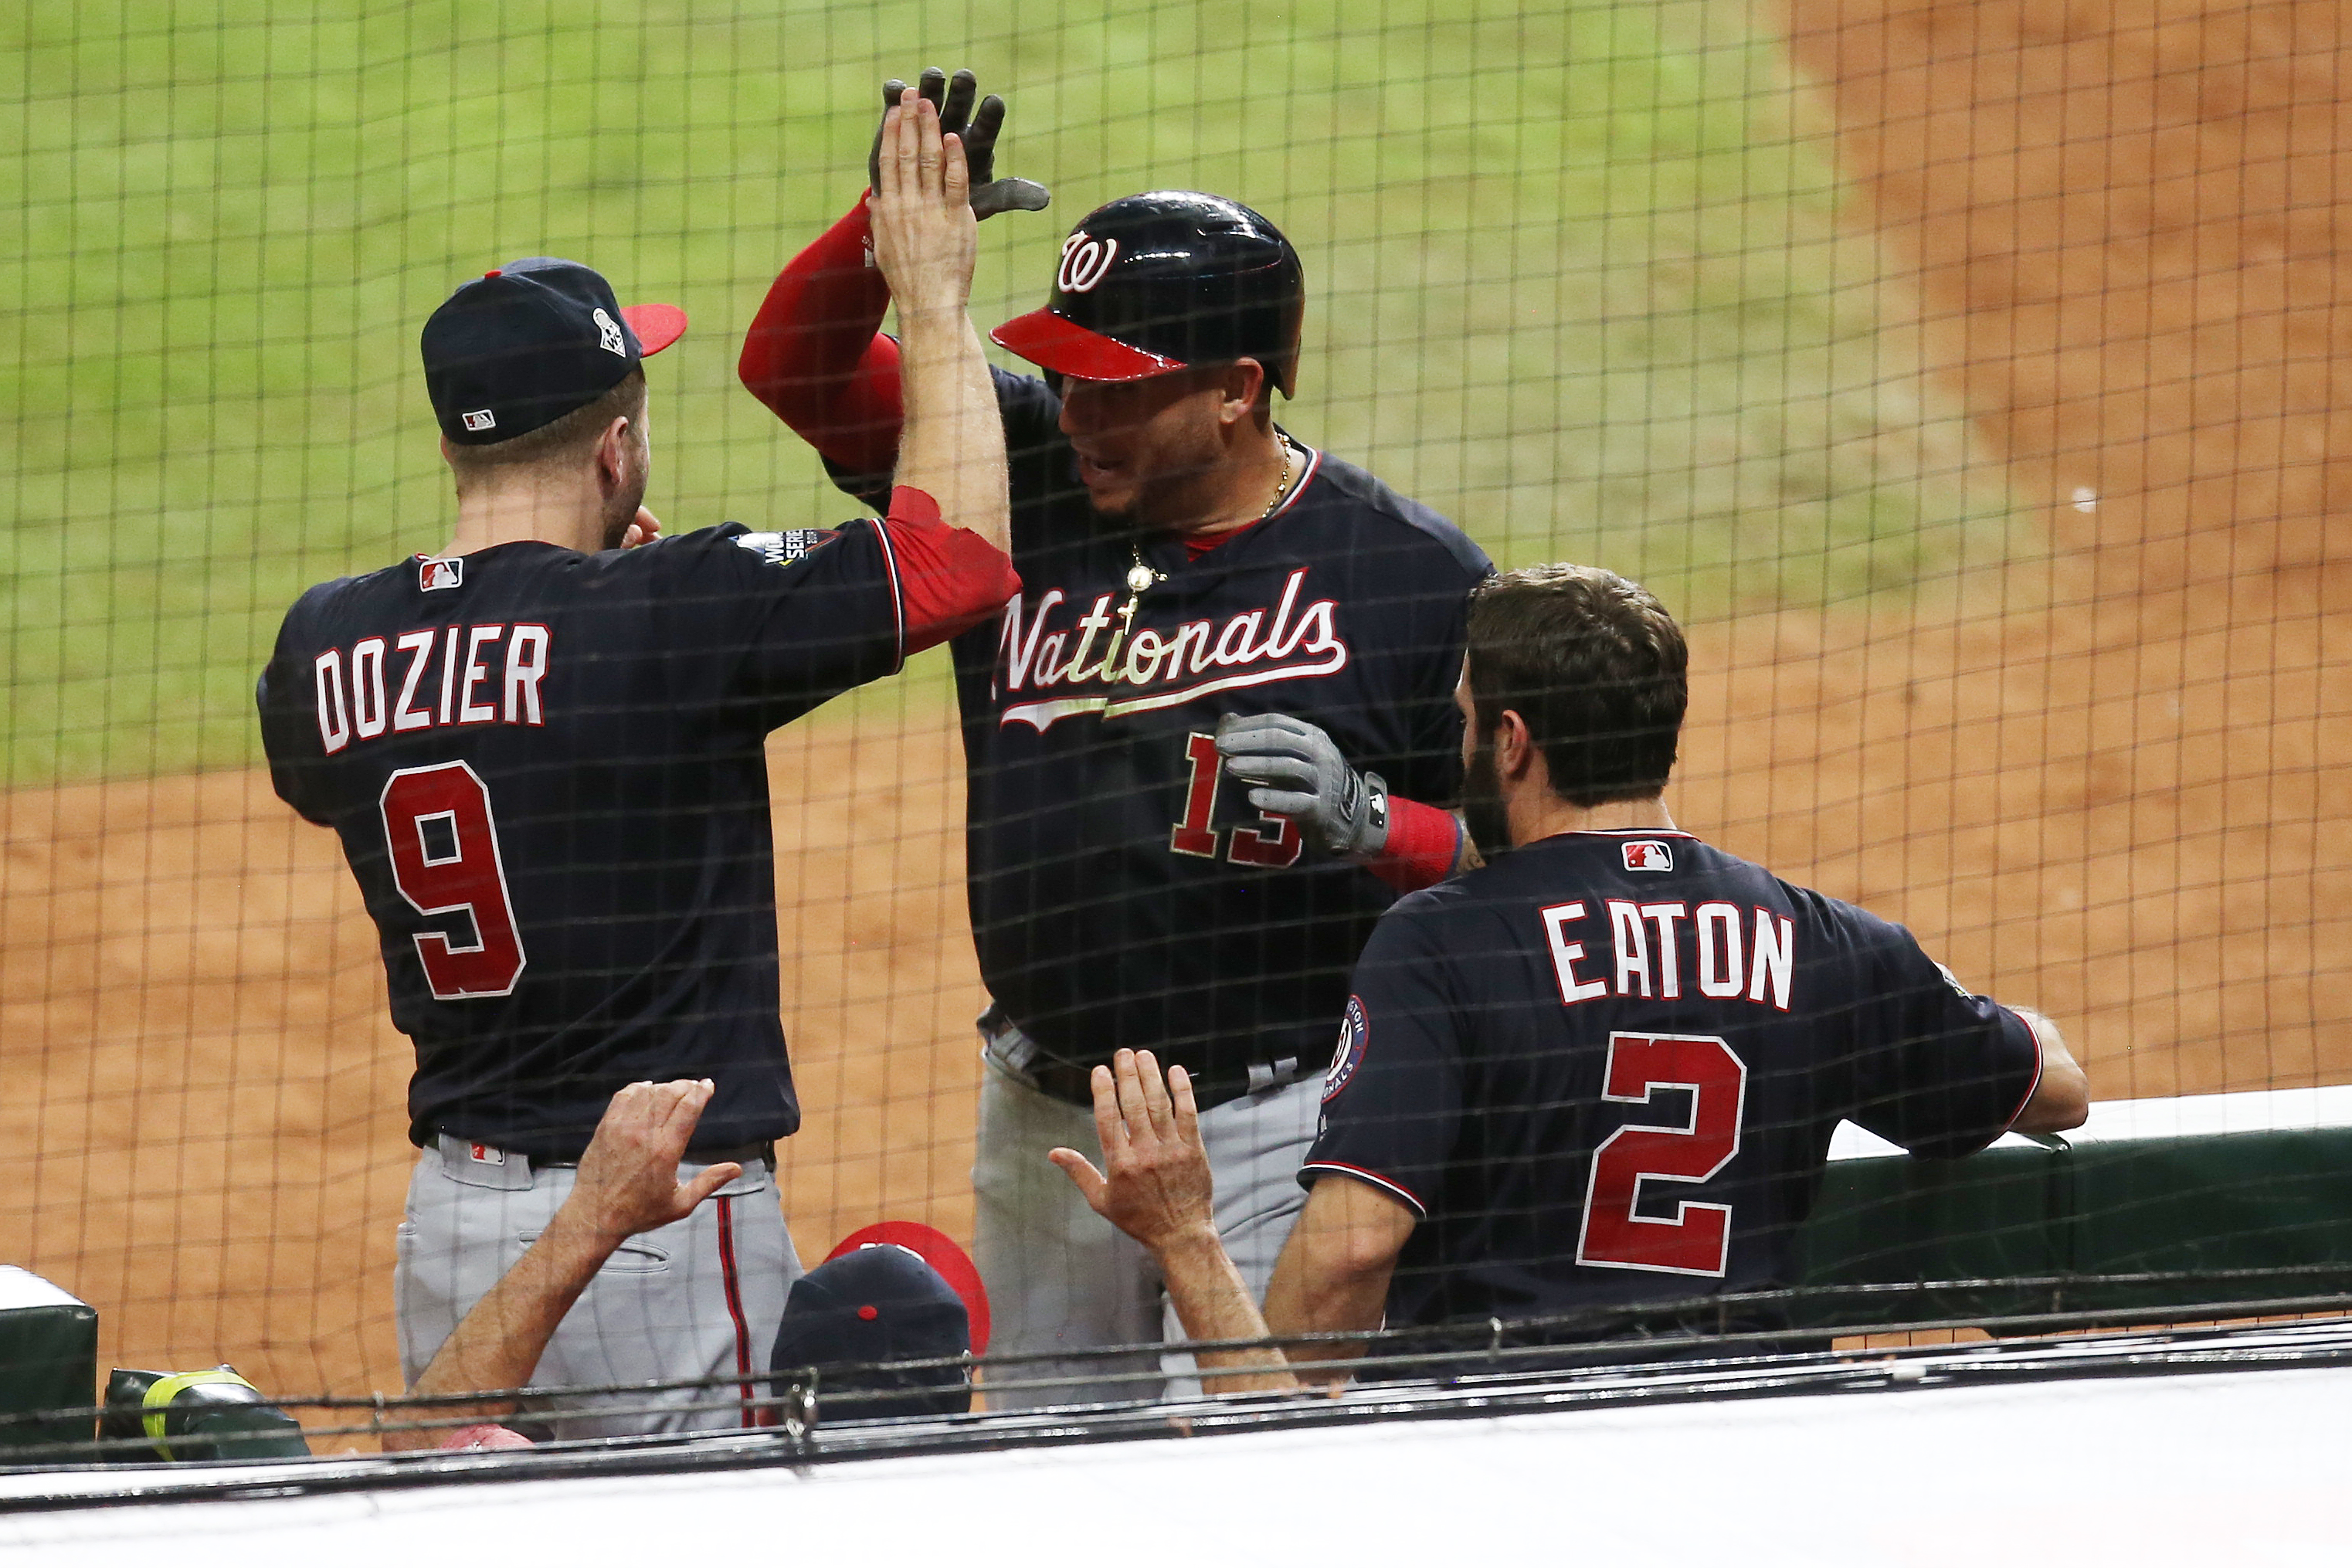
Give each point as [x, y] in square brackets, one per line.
[2155, 1213]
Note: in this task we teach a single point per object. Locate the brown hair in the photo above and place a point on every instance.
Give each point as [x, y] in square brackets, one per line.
[1595, 666]
[560, 442]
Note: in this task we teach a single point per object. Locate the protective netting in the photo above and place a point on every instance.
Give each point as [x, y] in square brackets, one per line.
[1961, 376]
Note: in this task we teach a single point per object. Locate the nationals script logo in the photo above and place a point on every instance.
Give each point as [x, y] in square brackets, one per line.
[1049, 647]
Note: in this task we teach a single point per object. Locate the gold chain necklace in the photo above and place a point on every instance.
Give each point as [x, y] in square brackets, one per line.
[1140, 577]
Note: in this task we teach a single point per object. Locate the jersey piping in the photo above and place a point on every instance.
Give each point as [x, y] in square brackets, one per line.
[1370, 1178]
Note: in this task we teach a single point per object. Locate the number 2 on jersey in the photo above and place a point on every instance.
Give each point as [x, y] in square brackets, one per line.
[1276, 843]
[445, 859]
[1697, 1238]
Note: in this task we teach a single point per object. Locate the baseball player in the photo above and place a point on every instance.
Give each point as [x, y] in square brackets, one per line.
[543, 757]
[1602, 1070]
[1201, 742]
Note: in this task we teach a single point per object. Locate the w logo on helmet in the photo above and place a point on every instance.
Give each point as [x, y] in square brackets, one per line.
[1085, 260]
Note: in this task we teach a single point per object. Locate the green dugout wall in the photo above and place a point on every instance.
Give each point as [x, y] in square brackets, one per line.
[2229, 1199]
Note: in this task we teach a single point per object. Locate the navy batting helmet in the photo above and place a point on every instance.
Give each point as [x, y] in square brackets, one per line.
[1152, 283]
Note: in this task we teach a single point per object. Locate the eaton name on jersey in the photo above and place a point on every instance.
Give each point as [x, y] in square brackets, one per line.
[423, 680]
[1663, 948]
[1251, 647]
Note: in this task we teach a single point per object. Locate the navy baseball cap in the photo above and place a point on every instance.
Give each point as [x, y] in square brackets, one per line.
[526, 343]
[879, 1303]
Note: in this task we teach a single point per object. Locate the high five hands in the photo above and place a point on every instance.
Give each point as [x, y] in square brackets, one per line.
[951, 99]
[1156, 1185]
[921, 210]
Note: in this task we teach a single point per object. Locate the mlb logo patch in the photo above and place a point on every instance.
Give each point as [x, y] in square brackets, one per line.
[1648, 855]
[434, 573]
[480, 419]
[483, 1154]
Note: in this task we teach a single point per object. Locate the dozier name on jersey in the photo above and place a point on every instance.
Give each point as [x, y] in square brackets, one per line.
[1295, 644]
[423, 680]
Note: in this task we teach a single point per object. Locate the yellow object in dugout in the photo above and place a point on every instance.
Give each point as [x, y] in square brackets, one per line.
[206, 1416]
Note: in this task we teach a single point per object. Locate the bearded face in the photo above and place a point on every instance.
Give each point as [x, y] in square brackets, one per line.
[1483, 812]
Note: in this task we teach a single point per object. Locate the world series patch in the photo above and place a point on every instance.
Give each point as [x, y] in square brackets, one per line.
[784, 548]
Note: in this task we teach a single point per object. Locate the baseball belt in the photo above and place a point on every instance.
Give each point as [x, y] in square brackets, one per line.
[1073, 1082]
[454, 1150]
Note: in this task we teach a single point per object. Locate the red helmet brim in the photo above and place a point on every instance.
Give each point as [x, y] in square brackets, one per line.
[1061, 345]
[656, 326]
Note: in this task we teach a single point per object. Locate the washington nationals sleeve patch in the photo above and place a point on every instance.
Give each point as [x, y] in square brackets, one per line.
[1348, 1053]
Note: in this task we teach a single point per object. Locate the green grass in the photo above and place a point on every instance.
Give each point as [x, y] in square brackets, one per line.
[1578, 275]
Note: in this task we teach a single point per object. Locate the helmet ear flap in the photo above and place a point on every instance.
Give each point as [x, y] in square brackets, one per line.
[1294, 323]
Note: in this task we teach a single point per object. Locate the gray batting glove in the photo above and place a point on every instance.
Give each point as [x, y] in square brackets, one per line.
[1296, 772]
[952, 98]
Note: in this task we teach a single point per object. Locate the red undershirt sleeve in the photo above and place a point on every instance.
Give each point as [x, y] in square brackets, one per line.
[817, 355]
[1423, 842]
[950, 579]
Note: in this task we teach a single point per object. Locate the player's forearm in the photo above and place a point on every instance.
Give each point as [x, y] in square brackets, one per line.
[1301, 1300]
[498, 1344]
[1212, 1302]
[816, 354]
[1333, 1275]
[2061, 1099]
[1424, 847]
[953, 449]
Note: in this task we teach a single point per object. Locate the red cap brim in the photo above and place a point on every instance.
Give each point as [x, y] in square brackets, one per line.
[656, 326]
[938, 1249]
[1060, 344]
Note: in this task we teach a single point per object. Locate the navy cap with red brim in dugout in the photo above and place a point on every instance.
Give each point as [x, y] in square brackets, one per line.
[526, 343]
[1152, 283]
[879, 1302]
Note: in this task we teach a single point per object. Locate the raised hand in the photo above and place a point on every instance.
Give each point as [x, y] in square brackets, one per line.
[952, 97]
[1156, 1185]
[922, 218]
[628, 1177]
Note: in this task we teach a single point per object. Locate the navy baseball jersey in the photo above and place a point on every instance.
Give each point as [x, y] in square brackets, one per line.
[547, 774]
[1123, 892]
[1604, 1071]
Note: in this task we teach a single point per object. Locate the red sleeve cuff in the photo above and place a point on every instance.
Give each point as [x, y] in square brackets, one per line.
[1423, 842]
[950, 579]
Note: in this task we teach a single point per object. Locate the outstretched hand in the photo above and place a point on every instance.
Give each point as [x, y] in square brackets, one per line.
[628, 1178]
[923, 239]
[1156, 1186]
[952, 97]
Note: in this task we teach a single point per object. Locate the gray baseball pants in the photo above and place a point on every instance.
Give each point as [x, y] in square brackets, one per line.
[1060, 1276]
[701, 1298]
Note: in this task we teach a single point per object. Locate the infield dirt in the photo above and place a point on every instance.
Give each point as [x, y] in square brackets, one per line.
[2100, 780]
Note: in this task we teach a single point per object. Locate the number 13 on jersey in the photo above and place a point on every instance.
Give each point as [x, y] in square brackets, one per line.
[444, 844]
[1276, 843]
